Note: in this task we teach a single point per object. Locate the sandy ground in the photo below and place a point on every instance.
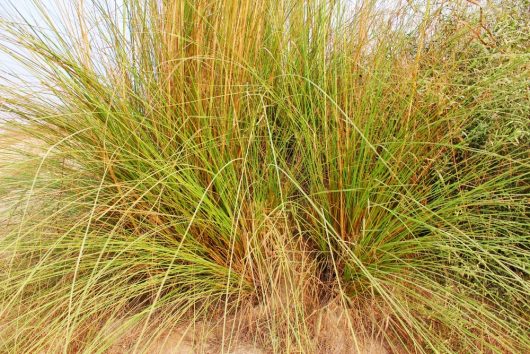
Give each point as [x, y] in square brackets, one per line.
[206, 338]
[178, 343]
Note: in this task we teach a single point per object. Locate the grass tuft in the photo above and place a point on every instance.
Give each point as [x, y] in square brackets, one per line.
[304, 176]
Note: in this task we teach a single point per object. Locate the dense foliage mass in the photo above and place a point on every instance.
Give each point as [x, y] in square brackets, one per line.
[304, 175]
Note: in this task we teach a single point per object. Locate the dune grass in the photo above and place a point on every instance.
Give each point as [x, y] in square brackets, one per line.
[307, 176]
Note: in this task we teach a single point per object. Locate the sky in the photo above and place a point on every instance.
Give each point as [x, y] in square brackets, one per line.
[15, 9]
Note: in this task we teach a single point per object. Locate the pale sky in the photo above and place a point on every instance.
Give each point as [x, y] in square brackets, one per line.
[15, 9]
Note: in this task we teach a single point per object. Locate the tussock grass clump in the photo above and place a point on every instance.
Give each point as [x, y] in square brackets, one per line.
[308, 176]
